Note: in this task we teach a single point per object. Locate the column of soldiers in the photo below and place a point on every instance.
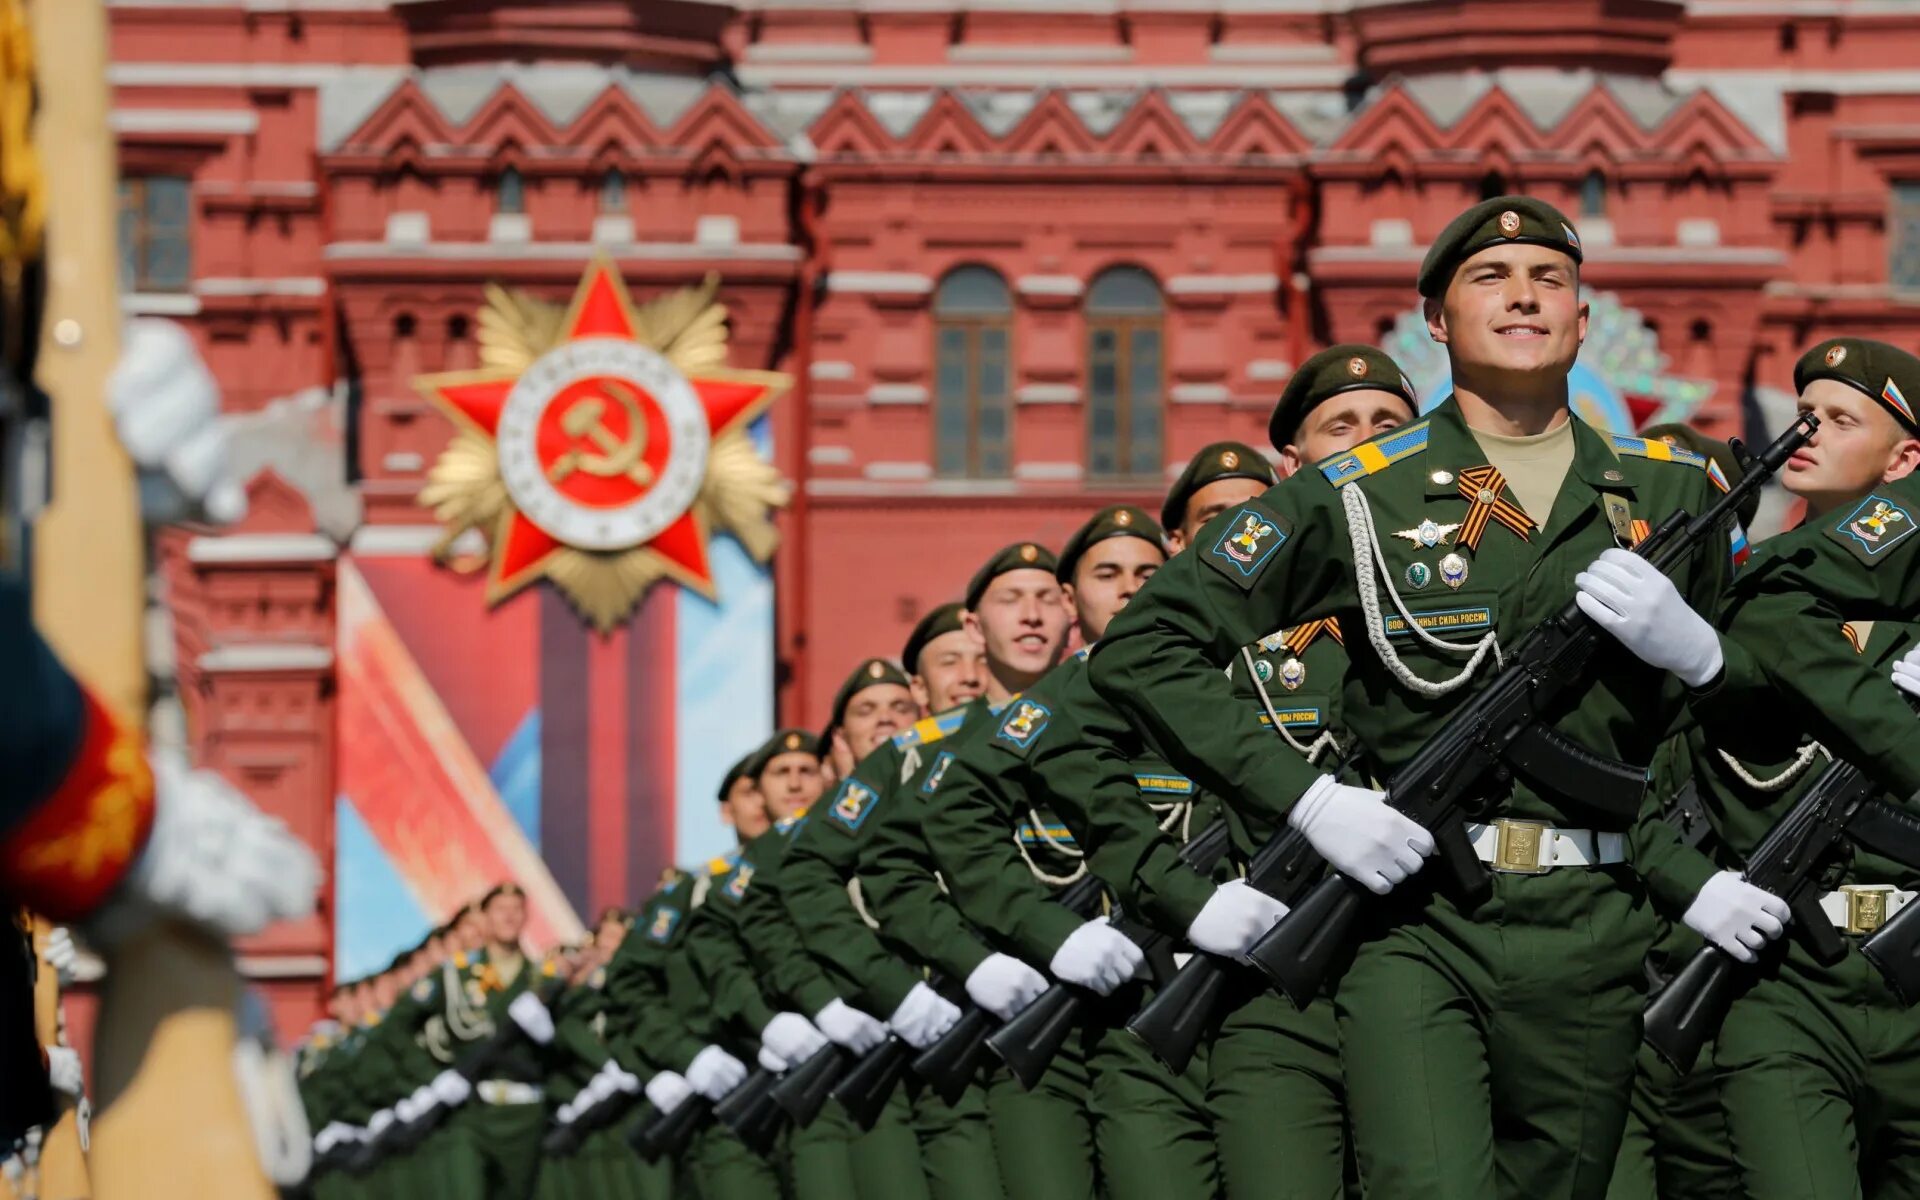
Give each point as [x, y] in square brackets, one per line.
[1242, 764]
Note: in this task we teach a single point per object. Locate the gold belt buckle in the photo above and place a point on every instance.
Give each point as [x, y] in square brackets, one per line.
[1517, 848]
[1866, 906]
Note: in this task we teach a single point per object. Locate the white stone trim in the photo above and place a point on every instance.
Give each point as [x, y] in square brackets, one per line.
[1221, 285]
[281, 966]
[408, 541]
[1269, 370]
[261, 548]
[896, 393]
[509, 227]
[1046, 393]
[1254, 52]
[1844, 83]
[285, 285]
[239, 75]
[1050, 285]
[160, 304]
[267, 656]
[612, 228]
[298, 189]
[988, 52]
[261, 5]
[895, 282]
[898, 471]
[1199, 393]
[228, 121]
[1050, 472]
[829, 456]
[830, 369]
[808, 52]
[1042, 75]
[402, 460]
[407, 227]
[563, 251]
[1799, 8]
[1096, 7]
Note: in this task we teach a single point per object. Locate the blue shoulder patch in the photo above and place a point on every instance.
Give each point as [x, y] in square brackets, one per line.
[851, 804]
[1247, 544]
[1025, 721]
[665, 921]
[1376, 454]
[1874, 527]
[940, 764]
[1656, 450]
[932, 729]
[737, 884]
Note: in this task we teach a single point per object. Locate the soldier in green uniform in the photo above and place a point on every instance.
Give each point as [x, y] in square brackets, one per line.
[1818, 1067]
[1487, 1048]
[820, 889]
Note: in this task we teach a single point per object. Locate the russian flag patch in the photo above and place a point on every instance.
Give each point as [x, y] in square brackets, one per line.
[1890, 392]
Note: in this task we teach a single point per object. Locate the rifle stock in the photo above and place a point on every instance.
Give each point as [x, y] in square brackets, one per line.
[751, 1112]
[668, 1133]
[1028, 1042]
[1691, 1007]
[863, 1091]
[1894, 950]
[805, 1089]
[950, 1064]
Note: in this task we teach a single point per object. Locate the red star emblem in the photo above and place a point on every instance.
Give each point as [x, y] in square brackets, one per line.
[601, 441]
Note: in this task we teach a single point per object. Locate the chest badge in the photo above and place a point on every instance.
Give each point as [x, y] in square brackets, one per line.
[1263, 670]
[1453, 570]
[1428, 534]
[1293, 673]
[1419, 575]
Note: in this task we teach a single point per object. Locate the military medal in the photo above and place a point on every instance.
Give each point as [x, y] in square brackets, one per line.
[1428, 533]
[1481, 487]
[1263, 670]
[1293, 673]
[1453, 570]
[1443, 478]
[1419, 575]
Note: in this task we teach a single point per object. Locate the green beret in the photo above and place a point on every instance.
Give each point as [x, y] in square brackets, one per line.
[1115, 520]
[1689, 438]
[783, 741]
[735, 774]
[1021, 556]
[870, 672]
[1222, 460]
[1882, 372]
[944, 619]
[1348, 367]
[1504, 219]
[501, 889]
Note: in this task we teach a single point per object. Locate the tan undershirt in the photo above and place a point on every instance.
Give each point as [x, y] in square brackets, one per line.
[508, 968]
[1535, 466]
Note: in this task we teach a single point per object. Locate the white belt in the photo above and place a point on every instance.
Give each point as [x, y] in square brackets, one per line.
[1864, 907]
[507, 1091]
[1534, 848]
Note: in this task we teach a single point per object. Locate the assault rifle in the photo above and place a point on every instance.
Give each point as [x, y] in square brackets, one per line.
[806, 1087]
[1029, 1041]
[751, 1112]
[668, 1133]
[864, 1089]
[1499, 733]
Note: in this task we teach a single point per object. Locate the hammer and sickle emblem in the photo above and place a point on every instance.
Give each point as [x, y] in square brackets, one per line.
[586, 418]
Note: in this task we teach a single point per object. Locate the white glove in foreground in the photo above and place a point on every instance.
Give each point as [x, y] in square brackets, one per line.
[1636, 603]
[622, 1079]
[451, 1088]
[1736, 916]
[379, 1121]
[923, 1017]
[667, 1091]
[847, 1026]
[61, 953]
[532, 1017]
[1096, 956]
[713, 1073]
[1233, 919]
[769, 1061]
[1906, 677]
[792, 1037]
[1004, 985]
[1365, 840]
[63, 1070]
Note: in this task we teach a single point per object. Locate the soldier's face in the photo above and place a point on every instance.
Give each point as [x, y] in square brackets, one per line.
[1512, 316]
[1021, 622]
[1106, 577]
[470, 932]
[746, 810]
[791, 782]
[875, 714]
[611, 933]
[1209, 502]
[1858, 447]
[952, 670]
[385, 989]
[506, 917]
[1342, 422]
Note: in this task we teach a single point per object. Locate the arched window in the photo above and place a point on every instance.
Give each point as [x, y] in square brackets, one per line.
[1124, 373]
[613, 191]
[1593, 195]
[972, 418]
[509, 193]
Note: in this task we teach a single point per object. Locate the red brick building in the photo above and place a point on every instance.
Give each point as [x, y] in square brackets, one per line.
[1023, 256]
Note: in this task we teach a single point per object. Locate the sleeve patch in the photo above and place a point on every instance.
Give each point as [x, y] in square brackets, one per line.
[665, 921]
[1874, 527]
[1025, 721]
[1247, 544]
[939, 772]
[851, 804]
[737, 885]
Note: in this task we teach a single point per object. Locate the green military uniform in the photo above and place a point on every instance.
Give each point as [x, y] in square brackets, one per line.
[493, 1140]
[1487, 1050]
[602, 1166]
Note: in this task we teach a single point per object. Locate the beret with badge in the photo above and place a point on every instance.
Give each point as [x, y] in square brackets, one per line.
[1349, 367]
[942, 620]
[1222, 460]
[1114, 521]
[1877, 370]
[783, 741]
[872, 672]
[1021, 556]
[735, 774]
[1503, 220]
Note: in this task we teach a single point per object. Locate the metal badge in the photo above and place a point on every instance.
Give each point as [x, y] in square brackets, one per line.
[1263, 670]
[1419, 575]
[1428, 533]
[1443, 478]
[1836, 356]
[1293, 673]
[1510, 223]
[1453, 570]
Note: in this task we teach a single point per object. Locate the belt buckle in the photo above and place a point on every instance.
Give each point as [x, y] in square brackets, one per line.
[1866, 905]
[1518, 845]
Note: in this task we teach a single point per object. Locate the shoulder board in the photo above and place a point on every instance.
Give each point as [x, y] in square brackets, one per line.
[1372, 456]
[460, 960]
[787, 824]
[549, 969]
[1656, 450]
[1080, 655]
[671, 876]
[932, 729]
[721, 864]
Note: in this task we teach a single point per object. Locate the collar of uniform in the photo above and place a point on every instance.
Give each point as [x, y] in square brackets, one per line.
[1594, 459]
[1451, 448]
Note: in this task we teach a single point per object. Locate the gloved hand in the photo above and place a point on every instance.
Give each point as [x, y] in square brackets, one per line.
[213, 858]
[423, 1099]
[406, 1109]
[1906, 677]
[847, 1026]
[569, 1112]
[378, 1122]
[1737, 916]
[622, 1079]
[924, 1017]
[166, 408]
[598, 1088]
[667, 1091]
[792, 1037]
[1636, 603]
[532, 1017]
[333, 1135]
[769, 1061]
[1233, 919]
[63, 1071]
[713, 1072]
[451, 1088]
[1352, 828]
[1096, 956]
[61, 953]
[1004, 985]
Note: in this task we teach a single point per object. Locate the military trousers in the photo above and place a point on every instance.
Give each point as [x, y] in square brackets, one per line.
[722, 1168]
[1675, 1143]
[493, 1150]
[833, 1159]
[1278, 1098]
[1819, 1075]
[1490, 1053]
[1043, 1138]
[1152, 1132]
[956, 1141]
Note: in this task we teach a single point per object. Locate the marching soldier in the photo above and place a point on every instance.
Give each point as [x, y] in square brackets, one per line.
[1518, 1017]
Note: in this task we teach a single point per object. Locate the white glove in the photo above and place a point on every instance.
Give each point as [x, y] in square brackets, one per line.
[1004, 985]
[532, 1017]
[331, 1136]
[598, 1088]
[667, 1091]
[568, 1112]
[713, 1072]
[424, 1099]
[166, 408]
[212, 857]
[792, 1038]
[379, 1121]
[622, 1079]
[1233, 919]
[769, 1061]
[451, 1088]
[61, 953]
[923, 1017]
[406, 1108]
[63, 1071]
[1352, 828]
[847, 1026]
[1636, 603]
[1096, 956]
[1906, 677]
[1737, 916]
